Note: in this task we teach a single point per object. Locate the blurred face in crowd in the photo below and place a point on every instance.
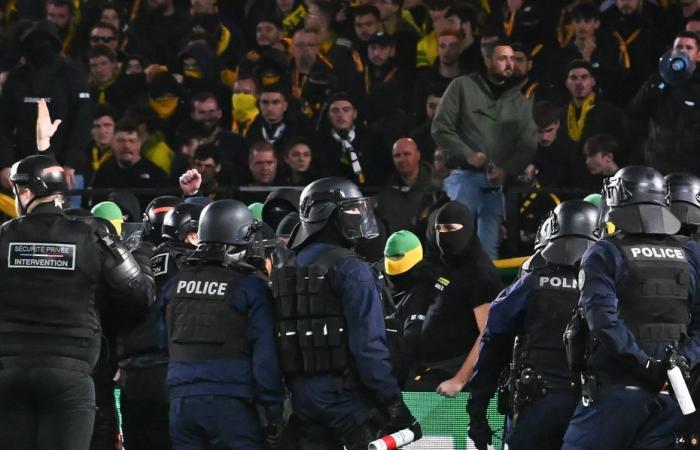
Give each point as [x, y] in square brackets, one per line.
[298, 158]
[627, 7]
[431, 105]
[440, 22]
[687, 46]
[380, 54]
[244, 86]
[102, 69]
[263, 165]
[693, 26]
[127, 148]
[342, 115]
[111, 16]
[58, 14]
[272, 106]
[387, 8]
[133, 66]
[521, 65]
[600, 164]
[104, 36]
[188, 147]
[204, 6]
[366, 26]
[266, 33]
[548, 134]
[406, 157]
[285, 5]
[207, 113]
[585, 28]
[439, 167]
[449, 49]
[207, 168]
[315, 20]
[580, 83]
[500, 65]
[103, 131]
[305, 48]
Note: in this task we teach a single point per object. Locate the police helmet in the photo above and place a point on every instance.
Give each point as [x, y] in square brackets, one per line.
[571, 232]
[541, 241]
[181, 221]
[226, 222]
[639, 200]
[320, 199]
[684, 190]
[278, 204]
[155, 213]
[40, 174]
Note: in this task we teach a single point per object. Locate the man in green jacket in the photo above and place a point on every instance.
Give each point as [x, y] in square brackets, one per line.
[485, 126]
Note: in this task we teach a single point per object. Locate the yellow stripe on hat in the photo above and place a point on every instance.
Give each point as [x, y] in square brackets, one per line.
[395, 265]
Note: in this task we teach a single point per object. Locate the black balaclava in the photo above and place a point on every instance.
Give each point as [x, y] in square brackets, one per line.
[455, 244]
[39, 50]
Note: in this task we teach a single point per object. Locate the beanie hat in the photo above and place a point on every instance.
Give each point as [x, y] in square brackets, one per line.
[111, 212]
[403, 251]
[595, 199]
[256, 210]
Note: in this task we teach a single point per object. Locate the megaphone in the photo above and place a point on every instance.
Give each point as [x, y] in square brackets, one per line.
[676, 68]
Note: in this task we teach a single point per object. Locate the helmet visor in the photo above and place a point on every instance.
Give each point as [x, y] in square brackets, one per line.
[357, 219]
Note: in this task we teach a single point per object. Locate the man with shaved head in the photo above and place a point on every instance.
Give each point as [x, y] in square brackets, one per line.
[407, 198]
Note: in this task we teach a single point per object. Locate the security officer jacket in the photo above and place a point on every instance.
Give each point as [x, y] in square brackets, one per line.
[234, 354]
[359, 290]
[623, 281]
[52, 266]
[536, 308]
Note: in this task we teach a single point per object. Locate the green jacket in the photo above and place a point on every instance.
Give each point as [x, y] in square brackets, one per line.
[470, 119]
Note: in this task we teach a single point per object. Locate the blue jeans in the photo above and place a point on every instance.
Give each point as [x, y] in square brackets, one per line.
[211, 421]
[485, 201]
[42, 409]
[626, 417]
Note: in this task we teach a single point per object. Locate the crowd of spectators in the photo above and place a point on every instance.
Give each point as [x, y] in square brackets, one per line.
[557, 95]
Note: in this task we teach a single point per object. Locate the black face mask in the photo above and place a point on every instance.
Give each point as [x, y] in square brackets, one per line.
[455, 243]
[403, 281]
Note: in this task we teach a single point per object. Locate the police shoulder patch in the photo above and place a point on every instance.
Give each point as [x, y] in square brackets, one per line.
[159, 264]
[581, 278]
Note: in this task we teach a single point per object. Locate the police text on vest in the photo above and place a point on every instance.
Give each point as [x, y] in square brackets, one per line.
[657, 252]
[201, 287]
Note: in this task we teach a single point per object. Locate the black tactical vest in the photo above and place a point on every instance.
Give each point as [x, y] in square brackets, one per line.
[553, 296]
[202, 323]
[653, 299]
[50, 268]
[310, 326]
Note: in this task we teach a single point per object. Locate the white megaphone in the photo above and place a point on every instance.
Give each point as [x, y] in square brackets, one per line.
[675, 67]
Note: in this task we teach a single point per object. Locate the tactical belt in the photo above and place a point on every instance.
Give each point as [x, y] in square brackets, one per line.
[46, 362]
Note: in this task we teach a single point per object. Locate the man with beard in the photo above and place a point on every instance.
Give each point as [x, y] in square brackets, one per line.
[127, 169]
[485, 125]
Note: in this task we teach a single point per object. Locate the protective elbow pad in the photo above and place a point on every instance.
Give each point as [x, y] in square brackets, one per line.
[122, 270]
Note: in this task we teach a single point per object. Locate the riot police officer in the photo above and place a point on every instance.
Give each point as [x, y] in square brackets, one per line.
[220, 339]
[154, 215]
[331, 337]
[52, 266]
[685, 202]
[532, 314]
[639, 292]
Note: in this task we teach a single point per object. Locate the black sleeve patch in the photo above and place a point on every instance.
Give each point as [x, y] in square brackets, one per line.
[159, 264]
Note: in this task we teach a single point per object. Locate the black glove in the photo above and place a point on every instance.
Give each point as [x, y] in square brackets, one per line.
[273, 433]
[654, 375]
[480, 432]
[400, 417]
[675, 359]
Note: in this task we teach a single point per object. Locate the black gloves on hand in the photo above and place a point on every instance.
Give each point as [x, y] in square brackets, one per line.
[654, 375]
[400, 417]
[675, 359]
[273, 433]
[480, 432]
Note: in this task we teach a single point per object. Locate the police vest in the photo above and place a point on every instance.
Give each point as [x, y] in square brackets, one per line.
[201, 321]
[50, 269]
[553, 297]
[167, 259]
[310, 326]
[653, 299]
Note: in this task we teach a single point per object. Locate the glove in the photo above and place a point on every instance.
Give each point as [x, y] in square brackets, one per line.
[654, 374]
[675, 359]
[274, 433]
[400, 417]
[480, 432]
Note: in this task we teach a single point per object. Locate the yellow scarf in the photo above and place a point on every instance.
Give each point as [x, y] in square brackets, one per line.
[575, 126]
[164, 107]
[292, 21]
[224, 40]
[98, 160]
[623, 46]
[565, 30]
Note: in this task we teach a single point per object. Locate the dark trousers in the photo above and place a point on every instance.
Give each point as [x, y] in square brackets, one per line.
[144, 405]
[541, 425]
[209, 421]
[625, 417]
[43, 408]
[329, 416]
[104, 436]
